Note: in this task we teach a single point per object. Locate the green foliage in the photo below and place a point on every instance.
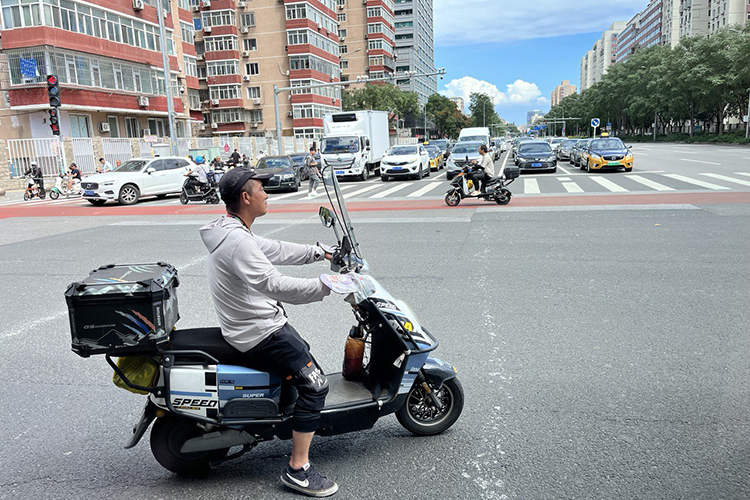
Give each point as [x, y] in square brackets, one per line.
[482, 110]
[448, 119]
[382, 97]
[703, 80]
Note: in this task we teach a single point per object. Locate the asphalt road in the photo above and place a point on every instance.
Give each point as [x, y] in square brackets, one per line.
[603, 350]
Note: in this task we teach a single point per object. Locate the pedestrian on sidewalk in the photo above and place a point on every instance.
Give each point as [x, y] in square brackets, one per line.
[313, 170]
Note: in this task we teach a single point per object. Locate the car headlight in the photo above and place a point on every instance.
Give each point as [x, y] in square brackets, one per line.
[629, 155]
[287, 177]
[520, 159]
[551, 158]
[109, 183]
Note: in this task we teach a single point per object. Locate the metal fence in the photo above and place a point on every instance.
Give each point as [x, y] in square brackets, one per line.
[48, 153]
[204, 142]
[183, 147]
[83, 154]
[117, 150]
[397, 141]
[145, 149]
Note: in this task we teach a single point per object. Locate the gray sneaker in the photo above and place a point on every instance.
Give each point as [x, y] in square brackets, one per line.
[308, 481]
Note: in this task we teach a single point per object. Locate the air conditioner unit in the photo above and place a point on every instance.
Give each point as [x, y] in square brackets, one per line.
[241, 5]
[245, 53]
[254, 125]
[214, 102]
[320, 27]
[138, 4]
[342, 39]
[200, 57]
[214, 125]
[207, 29]
[246, 78]
[104, 127]
[143, 101]
[145, 132]
[245, 29]
[196, 8]
[290, 114]
[341, 6]
[206, 4]
[256, 101]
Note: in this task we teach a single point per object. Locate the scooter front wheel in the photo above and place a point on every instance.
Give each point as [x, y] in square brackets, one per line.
[168, 435]
[452, 199]
[54, 194]
[183, 198]
[420, 415]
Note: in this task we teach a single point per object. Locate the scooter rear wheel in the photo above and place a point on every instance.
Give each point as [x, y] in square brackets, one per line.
[183, 198]
[167, 437]
[419, 414]
[452, 199]
[504, 197]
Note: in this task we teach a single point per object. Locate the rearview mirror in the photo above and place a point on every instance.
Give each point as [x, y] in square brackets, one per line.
[630, 146]
[150, 170]
[327, 217]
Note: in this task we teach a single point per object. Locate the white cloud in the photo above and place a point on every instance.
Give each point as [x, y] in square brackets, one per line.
[518, 92]
[490, 21]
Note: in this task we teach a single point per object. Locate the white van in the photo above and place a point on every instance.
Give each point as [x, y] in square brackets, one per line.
[481, 134]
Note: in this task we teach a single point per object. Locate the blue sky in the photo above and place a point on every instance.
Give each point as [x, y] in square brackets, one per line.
[519, 51]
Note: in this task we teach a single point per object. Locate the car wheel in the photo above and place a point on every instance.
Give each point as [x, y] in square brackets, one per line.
[429, 171]
[588, 166]
[129, 194]
[296, 186]
[384, 178]
[365, 173]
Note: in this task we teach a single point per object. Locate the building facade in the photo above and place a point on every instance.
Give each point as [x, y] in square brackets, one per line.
[415, 46]
[682, 18]
[108, 59]
[643, 30]
[533, 115]
[562, 91]
[367, 38]
[597, 61]
[460, 103]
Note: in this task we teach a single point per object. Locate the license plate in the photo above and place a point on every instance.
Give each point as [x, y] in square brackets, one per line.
[340, 172]
[536, 164]
[398, 168]
[613, 163]
[88, 192]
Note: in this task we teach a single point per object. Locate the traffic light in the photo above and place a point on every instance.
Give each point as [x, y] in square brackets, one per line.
[53, 91]
[54, 121]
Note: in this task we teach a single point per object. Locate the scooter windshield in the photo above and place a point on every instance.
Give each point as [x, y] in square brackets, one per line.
[338, 206]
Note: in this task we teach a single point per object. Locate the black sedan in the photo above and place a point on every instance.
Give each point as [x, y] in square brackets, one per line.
[535, 156]
[286, 175]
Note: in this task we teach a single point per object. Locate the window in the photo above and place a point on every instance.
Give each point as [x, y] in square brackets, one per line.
[342, 34]
[225, 92]
[219, 43]
[248, 19]
[344, 65]
[114, 126]
[341, 18]
[132, 127]
[343, 49]
[252, 69]
[249, 44]
[218, 18]
[187, 32]
[80, 126]
[156, 126]
[194, 99]
[191, 66]
[253, 92]
[221, 68]
[255, 115]
[157, 165]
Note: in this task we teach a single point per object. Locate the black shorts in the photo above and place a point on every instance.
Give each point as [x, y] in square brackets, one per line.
[283, 352]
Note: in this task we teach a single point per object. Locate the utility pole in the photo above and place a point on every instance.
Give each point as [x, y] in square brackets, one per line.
[161, 13]
[655, 115]
[747, 124]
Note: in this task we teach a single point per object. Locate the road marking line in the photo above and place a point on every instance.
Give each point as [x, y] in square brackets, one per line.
[642, 154]
[700, 161]
[564, 179]
[728, 179]
[747, 157]
[439, 176]
[274, 198]
[608, 184]
[688, 180]
[360, 191]
[429, 187]
[323, 191]
[650, 183]
[572, 187]
[392, 190]
[686, 152]
[743, 173]
[563, 169]
[531, 186]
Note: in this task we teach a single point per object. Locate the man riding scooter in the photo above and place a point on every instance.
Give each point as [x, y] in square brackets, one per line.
[199, 183]
[478, 174]
[36, 174]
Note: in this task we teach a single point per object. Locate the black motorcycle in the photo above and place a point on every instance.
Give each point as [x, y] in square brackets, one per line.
[205, 192]
[495, 188]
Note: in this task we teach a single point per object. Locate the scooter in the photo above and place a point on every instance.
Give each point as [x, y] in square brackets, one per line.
[208, 193]
[61, 187]
[33, 190]
[204, 404]
[495, 189]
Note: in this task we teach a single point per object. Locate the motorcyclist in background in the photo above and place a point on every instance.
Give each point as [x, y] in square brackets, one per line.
[201, 171]
[478, 174]
[36, 174]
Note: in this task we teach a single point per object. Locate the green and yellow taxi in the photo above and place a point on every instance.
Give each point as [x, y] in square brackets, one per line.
[606, 153]
[436, 157]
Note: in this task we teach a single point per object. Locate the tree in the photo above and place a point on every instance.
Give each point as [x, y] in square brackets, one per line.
[482, 110]
[448, 119]
[382, 97]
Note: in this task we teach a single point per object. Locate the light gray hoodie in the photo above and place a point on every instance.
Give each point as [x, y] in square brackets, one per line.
[245, 285]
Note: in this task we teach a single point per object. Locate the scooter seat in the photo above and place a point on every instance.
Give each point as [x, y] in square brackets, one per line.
[208, 340]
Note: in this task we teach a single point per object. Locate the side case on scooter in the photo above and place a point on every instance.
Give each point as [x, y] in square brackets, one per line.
[123, 309]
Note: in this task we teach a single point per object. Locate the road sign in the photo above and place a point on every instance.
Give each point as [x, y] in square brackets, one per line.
[744, 118]
[150, 138]
[609, 126]
[595, 122]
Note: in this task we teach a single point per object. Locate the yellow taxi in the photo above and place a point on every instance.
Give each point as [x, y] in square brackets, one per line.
[436, 157]
[606, 153]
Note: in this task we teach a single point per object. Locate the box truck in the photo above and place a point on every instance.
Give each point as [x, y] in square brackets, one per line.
[354, 142]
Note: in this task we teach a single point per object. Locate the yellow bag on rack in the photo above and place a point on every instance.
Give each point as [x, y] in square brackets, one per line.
[139, 370]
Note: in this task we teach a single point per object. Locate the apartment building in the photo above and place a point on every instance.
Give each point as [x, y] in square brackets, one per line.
[460, 103]
[597, 61]
[108, 59]
[367, 35]
[682, 18]
[562, 91]
[415, 46]
[643, 30]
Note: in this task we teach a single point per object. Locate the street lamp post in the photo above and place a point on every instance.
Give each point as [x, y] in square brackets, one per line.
[747, 124]
[167, 79]
[656, 114]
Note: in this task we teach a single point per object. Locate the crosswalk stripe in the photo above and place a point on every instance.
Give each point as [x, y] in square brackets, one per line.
[572, 187]
[531, 186]
[743, 173]
[283, 196]
[322, 192]
[650, 183]
[696, 182]
[398, 187]
[429, 187]
[360, 191]
[728, 179]
[439, 176]
[608, 184]
[700, 161]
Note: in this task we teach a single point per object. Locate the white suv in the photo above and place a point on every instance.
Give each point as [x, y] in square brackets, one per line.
[136, 178]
